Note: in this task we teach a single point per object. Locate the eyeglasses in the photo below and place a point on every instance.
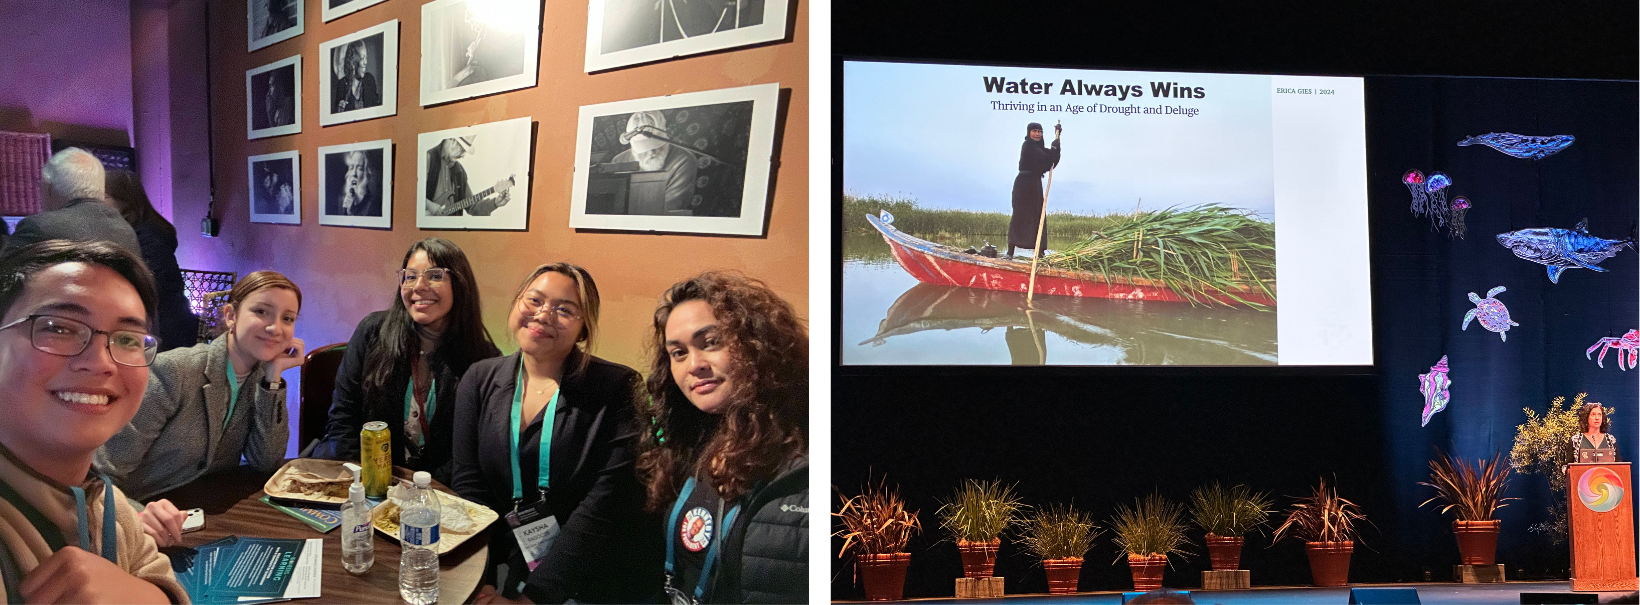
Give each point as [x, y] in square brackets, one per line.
[67, 337]
[532, 305]
[435, 276]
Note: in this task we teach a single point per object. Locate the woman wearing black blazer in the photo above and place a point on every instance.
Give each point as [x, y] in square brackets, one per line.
[403, 364]
[552, 392]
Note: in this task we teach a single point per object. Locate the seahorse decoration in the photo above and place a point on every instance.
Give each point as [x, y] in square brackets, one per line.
[1521, 146]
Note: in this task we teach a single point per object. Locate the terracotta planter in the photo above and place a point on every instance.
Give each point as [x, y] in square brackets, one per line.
[1147, 571]
[1329, 562]
[1477, 541]
[1063, 574]
[884, 575]
[1224, 552]
[979, 559]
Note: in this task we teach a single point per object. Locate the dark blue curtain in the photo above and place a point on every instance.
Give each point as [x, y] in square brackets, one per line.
[1422, 280]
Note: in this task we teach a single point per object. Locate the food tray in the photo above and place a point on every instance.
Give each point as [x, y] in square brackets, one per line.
[313, 467]
[481, 515]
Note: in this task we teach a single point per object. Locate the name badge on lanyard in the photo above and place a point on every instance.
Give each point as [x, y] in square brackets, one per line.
[534, 527]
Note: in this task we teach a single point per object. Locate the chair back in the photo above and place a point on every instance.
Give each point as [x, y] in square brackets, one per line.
[318, 384]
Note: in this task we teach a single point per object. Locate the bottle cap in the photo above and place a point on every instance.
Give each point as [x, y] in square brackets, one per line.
[423, 479]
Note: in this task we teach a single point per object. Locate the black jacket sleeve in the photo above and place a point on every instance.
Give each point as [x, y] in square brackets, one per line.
[466, 477]
[347, 407]
[600, 522]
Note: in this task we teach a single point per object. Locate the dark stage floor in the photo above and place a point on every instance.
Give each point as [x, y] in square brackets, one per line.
[1430, 593]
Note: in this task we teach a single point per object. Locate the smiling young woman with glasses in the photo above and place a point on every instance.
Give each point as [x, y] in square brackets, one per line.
[209, 405]
[402, 364]
[74, 321]
[554, 405]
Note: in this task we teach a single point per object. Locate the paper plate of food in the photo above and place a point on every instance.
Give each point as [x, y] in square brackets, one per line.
[310, 480]
[459, 519]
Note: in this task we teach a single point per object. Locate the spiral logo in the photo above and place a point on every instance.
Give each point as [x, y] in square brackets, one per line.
[1600, 489]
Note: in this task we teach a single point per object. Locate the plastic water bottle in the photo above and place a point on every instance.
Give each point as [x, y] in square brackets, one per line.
[418, 540]
[358, 546]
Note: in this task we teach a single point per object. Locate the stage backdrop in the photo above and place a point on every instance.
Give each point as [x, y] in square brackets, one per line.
[1099, 437]
[1422, 281]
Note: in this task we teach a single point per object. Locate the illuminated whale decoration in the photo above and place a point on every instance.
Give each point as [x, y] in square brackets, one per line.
[1521, 146]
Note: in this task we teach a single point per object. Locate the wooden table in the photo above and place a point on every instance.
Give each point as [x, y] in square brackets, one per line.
[232, 508]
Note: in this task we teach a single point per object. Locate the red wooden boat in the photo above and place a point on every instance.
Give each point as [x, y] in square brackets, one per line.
[944, 265]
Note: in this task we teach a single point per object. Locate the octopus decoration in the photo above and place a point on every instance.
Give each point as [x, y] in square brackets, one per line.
[1562, 249]
[1629, 343]
[1493, 315]
[1521, 146]
[1436, 388]
[1429, 199]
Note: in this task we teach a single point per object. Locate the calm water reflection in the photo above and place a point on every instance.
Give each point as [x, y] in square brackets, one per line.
[891, 318]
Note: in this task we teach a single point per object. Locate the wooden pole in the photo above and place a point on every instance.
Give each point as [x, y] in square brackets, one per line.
[1041, 226]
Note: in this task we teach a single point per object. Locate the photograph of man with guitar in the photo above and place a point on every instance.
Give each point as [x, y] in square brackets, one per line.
[446, 190]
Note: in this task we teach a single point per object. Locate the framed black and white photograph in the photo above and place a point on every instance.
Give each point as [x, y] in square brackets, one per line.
[336, 9]
[688, 163]
[273, 21]
[471, 48]
[356, 184]
[477, 177]
[628, 32]
[359, 75]
[276, 187]
[273, 99]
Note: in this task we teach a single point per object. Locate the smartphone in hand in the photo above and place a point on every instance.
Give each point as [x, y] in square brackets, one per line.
[195, 520]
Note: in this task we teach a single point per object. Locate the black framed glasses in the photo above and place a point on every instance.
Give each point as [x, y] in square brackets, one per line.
[435, 276]
[532, 305]
[68, 337]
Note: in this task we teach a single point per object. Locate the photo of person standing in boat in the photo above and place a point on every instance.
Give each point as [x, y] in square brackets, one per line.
[1035, 160]
[1157, 236]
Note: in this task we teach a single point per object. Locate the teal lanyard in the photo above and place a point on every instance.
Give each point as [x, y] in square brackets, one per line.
[672, 538]
[110, 542]
[410, 402]
[233, 394]
[542, 472]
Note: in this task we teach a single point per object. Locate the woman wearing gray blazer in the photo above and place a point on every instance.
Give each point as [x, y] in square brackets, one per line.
[209, 404]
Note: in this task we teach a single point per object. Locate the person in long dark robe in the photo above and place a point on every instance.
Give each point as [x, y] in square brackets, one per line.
[1035, 159]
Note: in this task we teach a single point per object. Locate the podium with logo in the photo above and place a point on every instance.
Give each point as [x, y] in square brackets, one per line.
[1600, 513]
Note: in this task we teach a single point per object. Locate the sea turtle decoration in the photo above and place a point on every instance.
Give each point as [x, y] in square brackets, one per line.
[1493, 315]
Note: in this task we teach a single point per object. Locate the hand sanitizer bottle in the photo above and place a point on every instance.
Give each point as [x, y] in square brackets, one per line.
[358, 546]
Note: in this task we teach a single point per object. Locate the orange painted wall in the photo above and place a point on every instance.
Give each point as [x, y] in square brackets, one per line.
[346, 273]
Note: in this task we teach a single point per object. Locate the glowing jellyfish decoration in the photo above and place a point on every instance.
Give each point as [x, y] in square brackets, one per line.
[1521, 146]
[1437, 196]
[1460, 205]
[1414, 180]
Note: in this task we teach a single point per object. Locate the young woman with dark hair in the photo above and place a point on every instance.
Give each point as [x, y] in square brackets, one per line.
[726, 457]
[178, 327]
[554, 405]
[403, 364]
[74, 346]
[1594, 441]
[209, 405]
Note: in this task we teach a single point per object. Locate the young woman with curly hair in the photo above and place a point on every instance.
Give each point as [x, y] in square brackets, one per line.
[724, 454]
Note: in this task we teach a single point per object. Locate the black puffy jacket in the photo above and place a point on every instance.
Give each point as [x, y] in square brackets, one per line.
[766, 557]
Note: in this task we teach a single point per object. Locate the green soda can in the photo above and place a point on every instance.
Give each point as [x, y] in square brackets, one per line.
[376, 453]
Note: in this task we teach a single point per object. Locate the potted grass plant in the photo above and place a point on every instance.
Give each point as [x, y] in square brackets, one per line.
[975, 518]
[1227, 514]
[1327, 525]
[1474, 493]
[1147, 533]
[1060, 535]
[876, 528]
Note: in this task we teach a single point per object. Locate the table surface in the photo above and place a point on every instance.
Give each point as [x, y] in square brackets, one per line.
[233, 508]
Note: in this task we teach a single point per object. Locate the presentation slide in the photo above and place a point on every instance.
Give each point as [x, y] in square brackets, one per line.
[1033, 216]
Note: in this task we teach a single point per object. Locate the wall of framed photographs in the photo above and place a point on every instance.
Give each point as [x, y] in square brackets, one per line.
[506, 103]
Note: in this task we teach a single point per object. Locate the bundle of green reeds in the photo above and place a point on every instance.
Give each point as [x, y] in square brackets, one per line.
[1205, 253]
